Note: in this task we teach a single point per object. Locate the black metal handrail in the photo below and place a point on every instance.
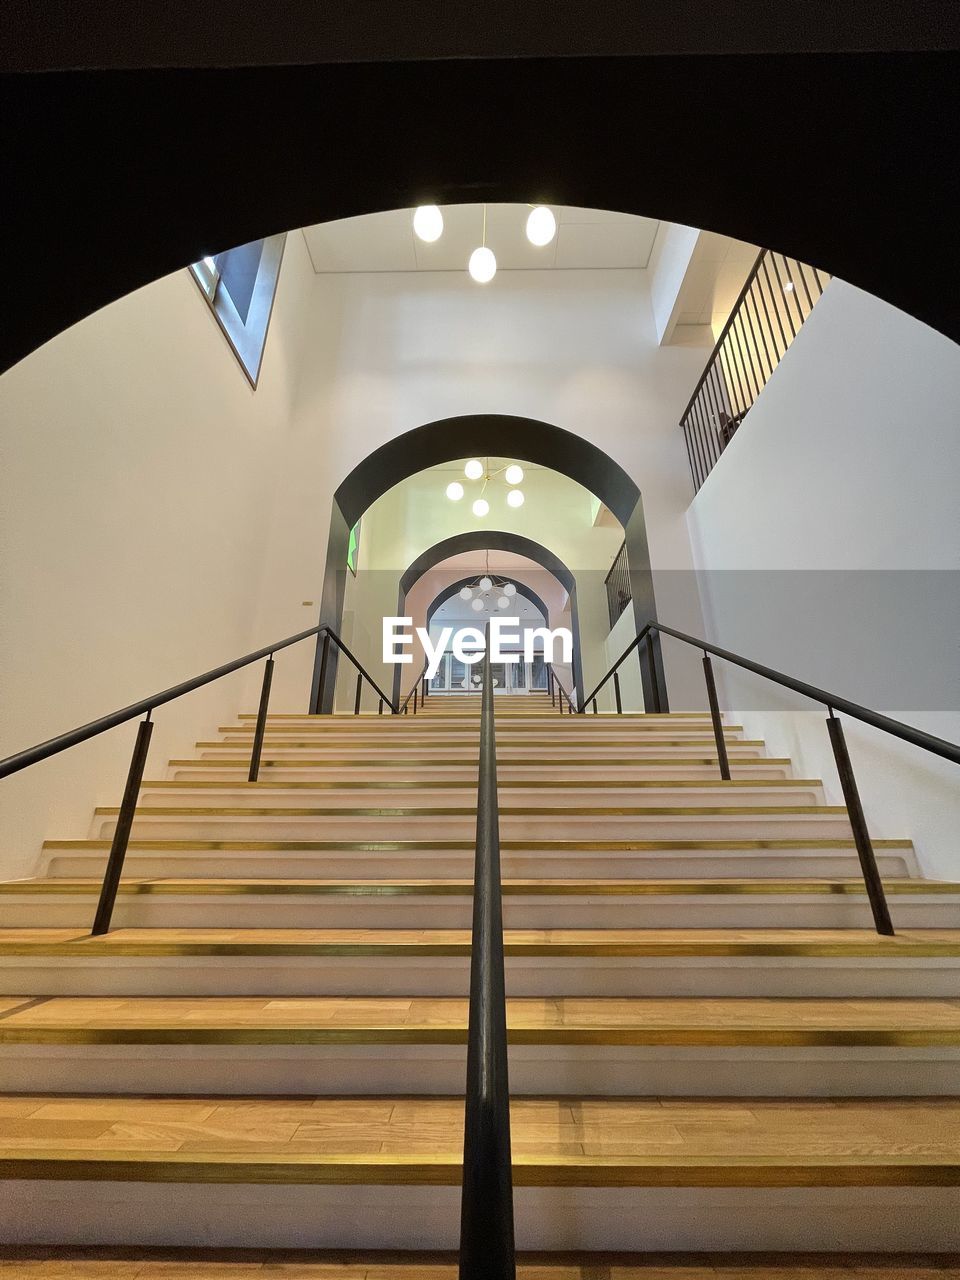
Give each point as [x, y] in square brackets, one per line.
[896, 728]
[778, 295]
[417, 691]
[145, 707]
[617, 584]
[486, 1206]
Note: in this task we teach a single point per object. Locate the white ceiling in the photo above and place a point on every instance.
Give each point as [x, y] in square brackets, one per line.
[586, 239]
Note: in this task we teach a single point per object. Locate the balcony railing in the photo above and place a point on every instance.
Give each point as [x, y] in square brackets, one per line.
[779, 294]
[617, 583]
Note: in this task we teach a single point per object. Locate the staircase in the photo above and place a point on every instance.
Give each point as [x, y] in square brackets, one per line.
[711, 1048]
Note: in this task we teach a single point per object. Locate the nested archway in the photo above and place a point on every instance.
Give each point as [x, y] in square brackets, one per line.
[529, 439]
[497, 540]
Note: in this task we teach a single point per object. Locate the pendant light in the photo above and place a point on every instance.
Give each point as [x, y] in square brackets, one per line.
[428, 223]
[483, 263]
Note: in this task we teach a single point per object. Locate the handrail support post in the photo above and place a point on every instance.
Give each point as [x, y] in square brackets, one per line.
[121, 832]
[715, 717]
[261, 728]
[858, 824]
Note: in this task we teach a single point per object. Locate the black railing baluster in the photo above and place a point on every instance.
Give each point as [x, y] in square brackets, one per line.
[359, 695]
[715, 718]
[416, 690]
[121, 832]
[616, 693]
[858, 825]
[261, 726]
[486, 1204]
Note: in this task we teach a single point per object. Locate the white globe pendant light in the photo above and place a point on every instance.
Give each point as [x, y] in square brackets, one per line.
[454, 490]
[428, 223]
[481, 507]
[541, 226]
[513, 474]
[473, 470]
[466, 593]
[482, 265]
[503, 602]
[477, 605]
[509, 589]
[486, 584]
[515, 498]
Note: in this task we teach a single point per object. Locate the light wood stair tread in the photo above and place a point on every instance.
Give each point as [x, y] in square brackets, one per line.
[146, 887]
[456, 810]
[556, 1140]
[37, 1262]
[443, 1020]
[372, 845]
[838, 943]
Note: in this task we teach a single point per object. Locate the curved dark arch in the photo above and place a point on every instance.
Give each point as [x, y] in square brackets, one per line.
[487, 540]
[252, 167]
[495, 434]
[528, 593]
[496, 540]
[500, 435]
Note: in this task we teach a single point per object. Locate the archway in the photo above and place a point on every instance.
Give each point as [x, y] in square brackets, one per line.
[398, 134]
[497, 540]
[529, 439]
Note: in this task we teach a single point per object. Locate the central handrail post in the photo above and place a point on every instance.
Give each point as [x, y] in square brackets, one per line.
[486, 1207]
[359, 694]
[616, 693]
[322, 679]
[715, 717]
[858, 824]
[121, 832]
[261, 728]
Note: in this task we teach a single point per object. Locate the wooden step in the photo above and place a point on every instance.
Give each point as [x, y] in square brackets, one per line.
[584, 1142]
[464, 768]
[517, 821]
[411, 1020]
[447, 858]
[66, 1263]
[544, 943]
[448, 903]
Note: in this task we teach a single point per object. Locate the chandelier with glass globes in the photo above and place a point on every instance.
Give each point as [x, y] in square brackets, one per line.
[541, 228]
[488, 593]
[477, 470]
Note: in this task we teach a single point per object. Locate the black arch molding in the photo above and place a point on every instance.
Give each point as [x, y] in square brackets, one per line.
[451, 590]
[112, 179]
[496, 540]
[503, 435]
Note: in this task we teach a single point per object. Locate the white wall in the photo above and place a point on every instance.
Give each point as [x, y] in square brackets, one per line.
[387, 353]
[828, 541]
[136, 482]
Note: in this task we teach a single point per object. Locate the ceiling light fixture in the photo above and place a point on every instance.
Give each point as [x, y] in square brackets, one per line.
[428, 223]
[490, 591]
[483, 264]
[474, 469]
[541, 225]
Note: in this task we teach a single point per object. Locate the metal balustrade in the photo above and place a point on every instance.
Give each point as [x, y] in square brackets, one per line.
[776, 299]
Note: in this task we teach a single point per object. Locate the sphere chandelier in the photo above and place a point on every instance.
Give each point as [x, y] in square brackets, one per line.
[489, 593]
[476, 470]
